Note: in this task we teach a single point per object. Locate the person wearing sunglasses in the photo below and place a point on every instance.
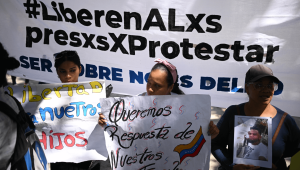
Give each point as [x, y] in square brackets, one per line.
[260, 84]
[163, 80]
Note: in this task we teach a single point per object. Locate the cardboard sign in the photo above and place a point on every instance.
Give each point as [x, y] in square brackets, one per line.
[158, 132]
[65, 116]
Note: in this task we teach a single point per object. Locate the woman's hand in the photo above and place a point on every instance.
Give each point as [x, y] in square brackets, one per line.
[244, 167]
[213, 130]
[102, 120]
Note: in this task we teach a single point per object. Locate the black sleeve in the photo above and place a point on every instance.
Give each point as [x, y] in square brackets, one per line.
[293, 141]
[219, 144]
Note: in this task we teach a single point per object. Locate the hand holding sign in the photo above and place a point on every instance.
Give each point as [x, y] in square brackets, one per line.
[102, 120]
[213, 130]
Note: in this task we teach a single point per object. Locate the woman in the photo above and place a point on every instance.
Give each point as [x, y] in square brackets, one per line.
[260, 84]
[163, 80]
[68, 68]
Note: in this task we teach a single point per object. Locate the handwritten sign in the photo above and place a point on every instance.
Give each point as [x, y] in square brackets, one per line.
[158, 132]
[65, 116]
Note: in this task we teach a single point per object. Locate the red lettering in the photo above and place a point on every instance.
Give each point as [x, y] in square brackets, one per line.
[44, 140]
[51, 140]
[72, 140]
[79, 137]
[66, 140]
[60, 146]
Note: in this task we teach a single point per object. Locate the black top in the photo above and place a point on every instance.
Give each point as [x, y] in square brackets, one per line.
[286, 145]
[87, 165]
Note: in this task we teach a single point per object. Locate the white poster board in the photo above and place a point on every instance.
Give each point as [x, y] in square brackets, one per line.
[253, 141]
[66, 118]
[212, 43]
[158, 132]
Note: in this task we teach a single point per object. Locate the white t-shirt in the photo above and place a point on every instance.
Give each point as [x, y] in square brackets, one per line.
[8, 130]
[258, 150]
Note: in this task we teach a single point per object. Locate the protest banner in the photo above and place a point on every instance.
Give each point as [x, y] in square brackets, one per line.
[66, 118]
[158, 132]
[253, 141]
[212, 43]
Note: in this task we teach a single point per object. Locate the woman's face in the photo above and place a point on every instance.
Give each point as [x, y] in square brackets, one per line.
[157, 83]
[68, 72]
[258, 91]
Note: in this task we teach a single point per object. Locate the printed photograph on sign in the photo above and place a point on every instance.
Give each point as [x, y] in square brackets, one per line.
[252, 141]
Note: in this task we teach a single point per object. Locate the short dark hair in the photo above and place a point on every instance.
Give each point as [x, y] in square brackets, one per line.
[256, 128]
[7, 63]
[170, 81]
[66, 55]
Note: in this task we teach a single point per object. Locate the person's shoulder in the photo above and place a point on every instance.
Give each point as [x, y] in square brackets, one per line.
[233, 109]
[289, 121]
[228, 115]
[280, 113]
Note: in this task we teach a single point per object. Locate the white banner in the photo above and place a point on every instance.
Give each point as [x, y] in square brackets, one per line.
[66, 119]
[158, 132]
[212, 43]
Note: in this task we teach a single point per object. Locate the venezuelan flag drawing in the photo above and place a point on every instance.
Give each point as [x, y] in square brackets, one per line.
[192, 149]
